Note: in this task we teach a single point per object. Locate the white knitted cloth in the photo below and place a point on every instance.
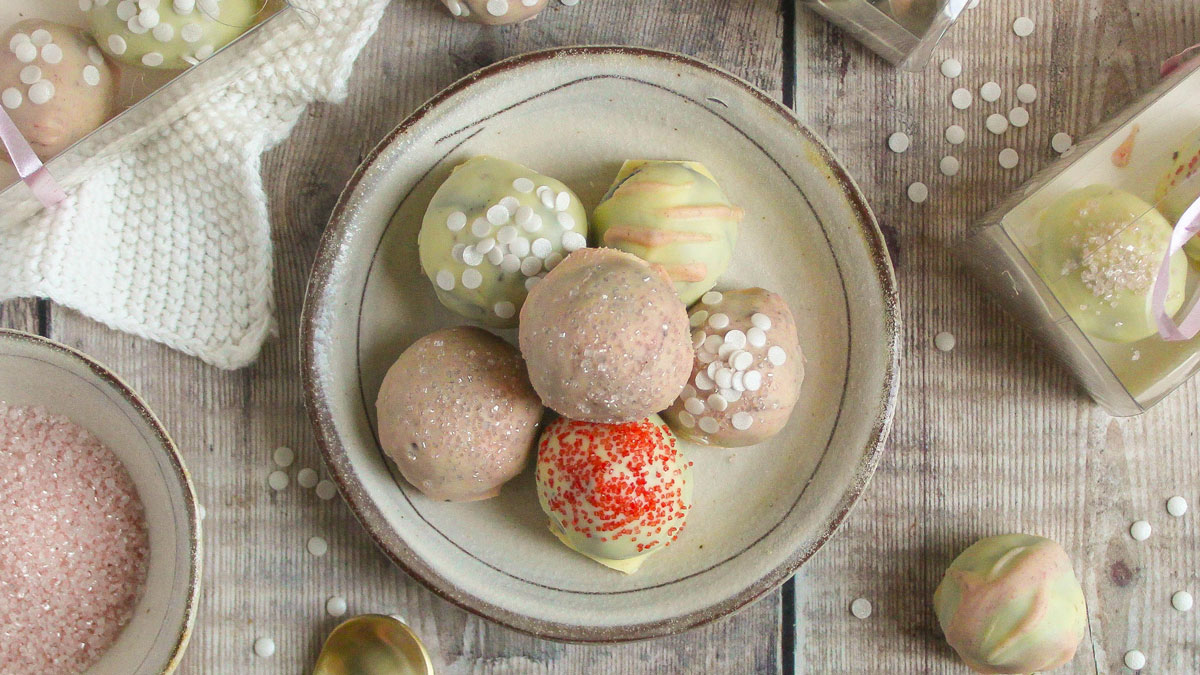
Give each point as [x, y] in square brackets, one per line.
[168, 236]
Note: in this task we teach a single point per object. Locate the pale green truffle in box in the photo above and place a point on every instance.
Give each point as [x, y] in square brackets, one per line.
[1180, 186]
[1100, 249]
[672, 214]
[491, 232]
[1012, 604]
[168, 34]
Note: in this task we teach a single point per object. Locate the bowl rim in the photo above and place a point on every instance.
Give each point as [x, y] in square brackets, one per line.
[181, 473]
[369, 513]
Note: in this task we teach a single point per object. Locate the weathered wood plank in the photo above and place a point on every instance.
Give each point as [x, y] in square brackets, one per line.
[20, 315]
[993, 436]
[259, 580]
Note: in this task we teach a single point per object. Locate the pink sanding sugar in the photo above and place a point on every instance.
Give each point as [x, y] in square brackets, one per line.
[73, 544]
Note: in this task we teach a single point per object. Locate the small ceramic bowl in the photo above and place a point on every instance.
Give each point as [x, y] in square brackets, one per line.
[35, 371]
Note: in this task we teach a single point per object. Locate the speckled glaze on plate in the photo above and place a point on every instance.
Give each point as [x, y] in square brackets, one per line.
[576, 114]
[35, 371]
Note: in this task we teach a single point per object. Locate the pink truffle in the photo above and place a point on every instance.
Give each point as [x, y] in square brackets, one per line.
[606, 338]
[457, 414]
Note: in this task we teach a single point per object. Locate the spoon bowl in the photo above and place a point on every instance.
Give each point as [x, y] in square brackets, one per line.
[373, 644]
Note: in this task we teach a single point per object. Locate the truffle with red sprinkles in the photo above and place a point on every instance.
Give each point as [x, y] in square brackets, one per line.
[614, 492]
[606, 337]
[457, 414]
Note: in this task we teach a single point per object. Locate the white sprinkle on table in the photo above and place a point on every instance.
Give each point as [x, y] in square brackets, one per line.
[918, 192]
[899, 142]
[283, 456]
[1024, 26]
[1009, 159]
[944, 341]
[1140, 530]
[861, 608]
[278, 480]
[1135, 660]
[961, 99]
[949, 165]
[326, 490]
[990, 92]
[955, 134]
[307, 478]
[318, 546]
[997, 123]
[1027, 93]
[1177, 506]
[952, 68]
[264, 647]
[335, 606]
[1182, 601]
[1062, 142]
[1018, 116]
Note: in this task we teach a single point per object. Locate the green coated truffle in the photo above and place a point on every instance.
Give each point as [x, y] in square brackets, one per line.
[1012, 604]
[1180, 186]
[672, 214]
[491, 232]
[168, 34]
[1100, 251]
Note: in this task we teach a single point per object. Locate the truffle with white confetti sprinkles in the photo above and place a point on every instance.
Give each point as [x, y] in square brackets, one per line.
[54, 84]
[672, 214]
[457, 415]
[747, 370]
[168, 34]
[606, 337]
[492, 230]
[494, 12]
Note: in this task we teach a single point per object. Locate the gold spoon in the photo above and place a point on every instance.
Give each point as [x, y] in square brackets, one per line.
[373, 644]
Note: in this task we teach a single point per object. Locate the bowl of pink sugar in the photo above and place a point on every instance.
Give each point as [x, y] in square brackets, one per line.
[99, 526]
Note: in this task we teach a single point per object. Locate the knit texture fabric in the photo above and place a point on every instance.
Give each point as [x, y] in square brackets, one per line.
[168, 237]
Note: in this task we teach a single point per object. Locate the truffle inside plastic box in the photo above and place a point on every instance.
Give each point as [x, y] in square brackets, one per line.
[144, 94]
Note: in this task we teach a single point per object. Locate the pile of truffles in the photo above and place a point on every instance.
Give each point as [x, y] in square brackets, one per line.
[606, 342]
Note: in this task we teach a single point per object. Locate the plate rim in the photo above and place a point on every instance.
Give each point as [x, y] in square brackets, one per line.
[369, 514]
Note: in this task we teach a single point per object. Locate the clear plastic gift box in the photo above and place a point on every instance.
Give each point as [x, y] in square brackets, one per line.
[144, 97]
[1076, 253]
[901, 31]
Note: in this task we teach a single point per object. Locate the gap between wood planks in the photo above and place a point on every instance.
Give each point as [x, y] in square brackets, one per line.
[787, 628]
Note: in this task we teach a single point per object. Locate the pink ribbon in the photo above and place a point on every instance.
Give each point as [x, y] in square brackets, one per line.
[28, 165]
[1184, 230]
[1175, 62]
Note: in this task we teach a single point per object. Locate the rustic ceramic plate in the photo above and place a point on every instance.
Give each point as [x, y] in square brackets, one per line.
[575, 114]
[39, 372]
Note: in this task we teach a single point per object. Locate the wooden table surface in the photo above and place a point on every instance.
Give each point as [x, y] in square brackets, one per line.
[990, 437]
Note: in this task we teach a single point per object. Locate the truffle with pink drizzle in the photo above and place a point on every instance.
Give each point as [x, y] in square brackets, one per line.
[457, 414]
[747, 371]
[495, 12]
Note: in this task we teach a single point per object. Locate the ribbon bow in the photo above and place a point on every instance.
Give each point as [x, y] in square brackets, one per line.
[28, 165]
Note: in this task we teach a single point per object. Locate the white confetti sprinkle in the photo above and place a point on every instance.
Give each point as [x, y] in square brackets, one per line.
[718, 402]
[686, 419]
[961, 99]
[1009, 158]
[116, 44]
[531, 282]
[756, 336]
[456, 221]
[510, 203]
[264, 647]
[563, 201]
[91, 75]
[742, 421]
[184, 6]
[565, 220]
[472, 278]
[861, 608]
[1140, 530]
[523, 185]
[709, 425]
[761, 320]
[704, 382]
[318, 546]
[1027, 93]
[519, 247]
[949, 165]
[482, 227]
[990, 92]
[283, 457]
[724, 378]
[191, 33]
[471, 257]
[952, 68]
[149, 18]
[307, 478]
[753, 380]
[278, 480]
[495, 256]
[718, 320]
[505, 309]
[209, 7]
[17, 40]
[777, 356]
[899, 142]
[1135, 660]
[743, 360]
[484, 245]
[712, 298]
[1019, 117]
[955, 135]
[164, 32]
[698, 318]
[694, 406]
[531, 265]
[510, 263]
[335, 606]
[53, 54]
[498, 215]
[497, 7]
[736, 338]
[713, 343]
[30, 74]
[326, 490]
[547, 197]
[41, 37]
[1182, 601]
[11, 98]
[541, 247]
[25, 52]
[152, 59]
[1062, 142]
[997, 123]
[95, 55]
[918, 192]
[1177, 506]
[41, 92]
[573, 241]
[1023, 26]
[944, 341]
[523, 216]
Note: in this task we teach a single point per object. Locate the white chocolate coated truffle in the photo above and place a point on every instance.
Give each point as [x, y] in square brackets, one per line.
[494, 12]
[169, 34]
[457, 414]
[606, 338]
[747, 371]
[614, 492]
[492, 230]
[56, 90]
